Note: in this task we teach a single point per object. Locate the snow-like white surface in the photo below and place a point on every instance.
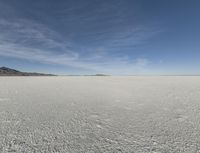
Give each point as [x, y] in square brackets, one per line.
[100, 114]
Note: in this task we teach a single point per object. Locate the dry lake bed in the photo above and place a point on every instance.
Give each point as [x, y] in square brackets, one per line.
[100, 114]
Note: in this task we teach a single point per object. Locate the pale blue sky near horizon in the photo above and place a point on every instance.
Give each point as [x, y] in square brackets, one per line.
[117, 37]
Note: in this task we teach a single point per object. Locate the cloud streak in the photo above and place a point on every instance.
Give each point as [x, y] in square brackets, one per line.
[103, 49]
[20, 44]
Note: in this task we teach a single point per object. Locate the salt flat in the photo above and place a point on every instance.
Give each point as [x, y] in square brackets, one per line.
[100, 114]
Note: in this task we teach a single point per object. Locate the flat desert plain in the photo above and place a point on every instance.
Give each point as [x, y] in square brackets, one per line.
[149, 114]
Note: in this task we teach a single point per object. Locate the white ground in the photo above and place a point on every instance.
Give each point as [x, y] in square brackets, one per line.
[100, 114]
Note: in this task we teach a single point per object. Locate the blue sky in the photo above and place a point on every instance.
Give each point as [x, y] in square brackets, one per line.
[119, 37]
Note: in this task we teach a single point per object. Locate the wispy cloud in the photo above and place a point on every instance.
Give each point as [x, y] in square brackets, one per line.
[26, 40]
[94, 40]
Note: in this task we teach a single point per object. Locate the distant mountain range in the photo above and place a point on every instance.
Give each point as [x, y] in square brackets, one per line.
[5, 71]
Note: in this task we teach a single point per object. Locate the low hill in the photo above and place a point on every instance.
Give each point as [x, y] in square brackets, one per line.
[5, 71]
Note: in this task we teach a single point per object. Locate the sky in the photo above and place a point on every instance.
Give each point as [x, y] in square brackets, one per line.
[116, 37]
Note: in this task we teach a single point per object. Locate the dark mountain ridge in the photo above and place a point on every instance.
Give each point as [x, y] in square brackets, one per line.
[5, 71]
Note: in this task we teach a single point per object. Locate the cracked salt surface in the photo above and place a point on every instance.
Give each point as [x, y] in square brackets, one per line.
[100, 114]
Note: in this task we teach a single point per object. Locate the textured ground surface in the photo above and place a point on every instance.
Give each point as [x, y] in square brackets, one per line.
[100, 114]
